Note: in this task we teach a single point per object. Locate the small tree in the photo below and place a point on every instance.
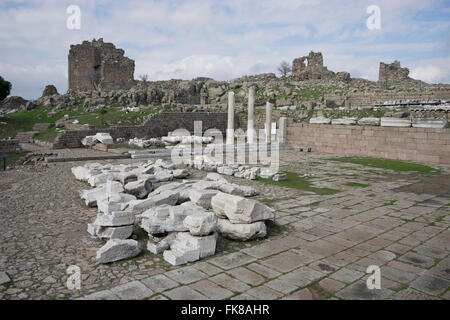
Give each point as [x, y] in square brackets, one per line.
[143, 77]
[102, 112]
[284, 68]
[5, 88]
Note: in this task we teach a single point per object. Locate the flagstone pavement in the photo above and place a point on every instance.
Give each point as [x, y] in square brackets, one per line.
[319, 248]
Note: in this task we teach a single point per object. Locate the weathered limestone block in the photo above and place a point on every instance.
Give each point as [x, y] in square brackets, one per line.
[89, 141]
[104, 138]
[158, 220]
[320, 120]
[369, 121]
[430, 123]
[140, 189]
[166, 165]
[249, 174]
[118, 249]
[181, 253]
[344, 121]
[114, 202]
[248, 191]
[125, 177]
[157, 245]
[139, 206]
[114, 219]
[201, 224]
[91, 196]
[226, 170]
[241, 231]
[395, 122]
[180, 173]
[83, 173]
[212, 176]
[266, 173]
[279, 177]
[98, 179]
[123, 232]
[234, 189]
[188, 248]
[206, 245]
[240, 210]
[207, 185]
[202, 197]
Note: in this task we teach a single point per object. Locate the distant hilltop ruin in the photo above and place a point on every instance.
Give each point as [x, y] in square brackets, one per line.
[311, 67]
[98, 65]
[99, 74]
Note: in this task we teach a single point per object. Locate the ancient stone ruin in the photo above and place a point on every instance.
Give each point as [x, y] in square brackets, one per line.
[311, 67]
[49, 90]
[389, 73]
[99, 65]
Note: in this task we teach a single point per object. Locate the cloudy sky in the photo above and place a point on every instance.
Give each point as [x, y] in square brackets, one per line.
[224, 39]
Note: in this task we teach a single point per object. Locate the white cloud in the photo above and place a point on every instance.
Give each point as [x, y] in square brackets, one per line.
[432, 71]
[218, 39]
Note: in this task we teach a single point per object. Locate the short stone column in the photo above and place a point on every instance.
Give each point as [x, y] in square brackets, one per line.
[230, 127]
[282, 130]
[251, 116]
[268, 122]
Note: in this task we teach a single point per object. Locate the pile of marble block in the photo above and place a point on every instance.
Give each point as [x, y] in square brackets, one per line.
[146, 143]
[187, 139]
[104, 138]
[183, 219]
[205, 163]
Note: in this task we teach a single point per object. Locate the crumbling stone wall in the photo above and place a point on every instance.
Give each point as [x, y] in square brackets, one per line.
[156, 126]
[411, 144]
[311, 67]
[389, 73]
[98, 65]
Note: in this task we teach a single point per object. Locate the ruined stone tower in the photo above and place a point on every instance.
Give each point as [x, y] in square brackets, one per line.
[311, 67]
[98, 65]
[389, 73]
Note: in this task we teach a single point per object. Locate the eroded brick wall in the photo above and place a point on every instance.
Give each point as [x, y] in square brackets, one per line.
[412, 144]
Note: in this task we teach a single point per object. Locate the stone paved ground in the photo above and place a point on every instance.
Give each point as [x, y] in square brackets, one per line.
[319, 248]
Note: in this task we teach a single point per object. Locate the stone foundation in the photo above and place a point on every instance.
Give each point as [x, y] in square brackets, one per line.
[156, 126]
[411, 144]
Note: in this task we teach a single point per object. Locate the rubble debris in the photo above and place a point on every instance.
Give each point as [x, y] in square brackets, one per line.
[183, 219]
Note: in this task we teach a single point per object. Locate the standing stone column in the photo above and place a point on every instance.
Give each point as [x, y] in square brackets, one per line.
[230, 127]
[251, 116]
[268, 121]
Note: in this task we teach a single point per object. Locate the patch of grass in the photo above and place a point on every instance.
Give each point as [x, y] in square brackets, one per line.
[395, 165]
[295, 182]
[356, 184]
[49, 134]
[389, 203]
[12, 159]
[25, 120]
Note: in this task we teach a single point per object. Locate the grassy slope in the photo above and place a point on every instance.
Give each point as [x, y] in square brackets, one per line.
[24, 120]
